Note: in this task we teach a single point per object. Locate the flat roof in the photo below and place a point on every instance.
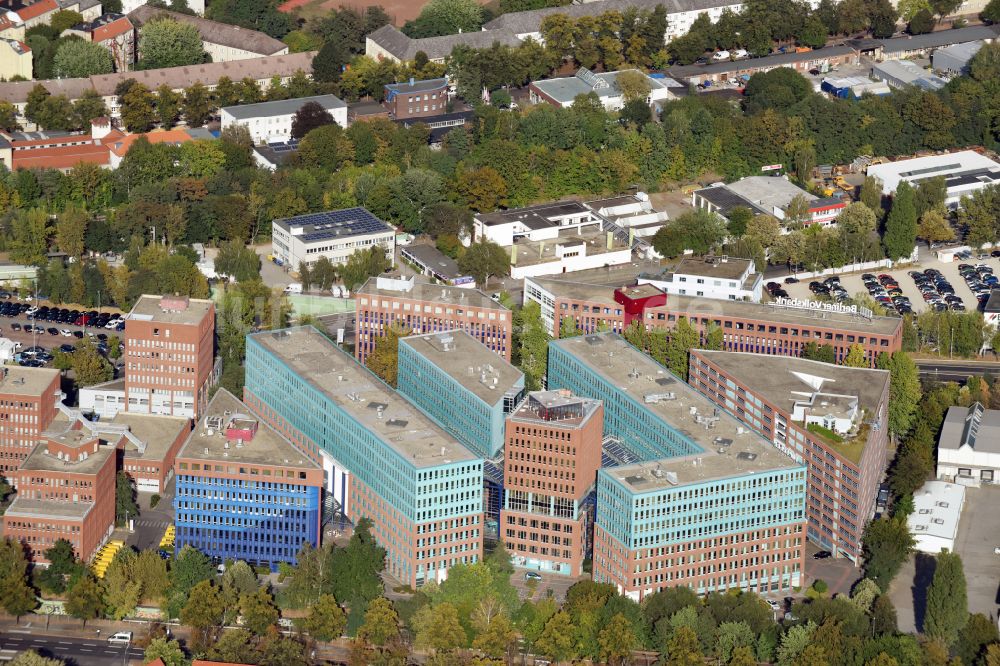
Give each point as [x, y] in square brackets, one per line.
[940, 38]
[728, 447]
[267, 447]
[432, 259]
[693, 306]
[604, 84]
[916, 169]
[937, 510]
[39, 460]
[40, 508]
[377, 407]
[725, 200]
[282, 107]
[312, 227]
[534, 217]
[18, 380]
[762, 64]
[724, 268]
[568, 410]
[157, 432]
[769, 191]
[796, 379]
[415, 86]
[469, 362]
[169, 310]
[421, 289]
[532, 252]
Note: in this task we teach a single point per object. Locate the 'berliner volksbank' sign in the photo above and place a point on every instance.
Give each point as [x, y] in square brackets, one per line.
[805, 304]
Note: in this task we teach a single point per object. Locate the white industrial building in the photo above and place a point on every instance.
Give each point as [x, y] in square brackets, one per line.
[964, 172]
[934, 521]
[335, 235]
[554, 238]
[969, 446]
[562, 92]
[718, 277]
[903, 73]
[633, 212]
[271, 122]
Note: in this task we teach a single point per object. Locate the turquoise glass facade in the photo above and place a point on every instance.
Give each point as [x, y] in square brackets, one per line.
[477, 424]
[641, 431]
[409, 499]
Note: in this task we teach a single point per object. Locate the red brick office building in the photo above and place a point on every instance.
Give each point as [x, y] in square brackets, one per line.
[762, 328]
[28, 398]
[784, 402]
[551, 457]
[65, 490]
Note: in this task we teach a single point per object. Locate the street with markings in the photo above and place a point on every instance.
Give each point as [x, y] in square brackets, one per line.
[74, 651]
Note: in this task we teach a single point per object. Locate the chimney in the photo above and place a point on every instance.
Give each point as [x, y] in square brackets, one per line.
[100, 128]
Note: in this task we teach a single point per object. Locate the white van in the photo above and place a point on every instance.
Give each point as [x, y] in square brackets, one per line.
[720, 55]
[335, 290]
[120, 638]
[739, 54]
[294, 288]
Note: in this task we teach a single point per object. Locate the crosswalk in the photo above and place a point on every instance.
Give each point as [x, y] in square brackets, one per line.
[152, 523]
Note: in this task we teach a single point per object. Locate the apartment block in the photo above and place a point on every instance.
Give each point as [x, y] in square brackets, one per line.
[243, 490]
[832, 418]
[169, 356]
[422, 307]
[65, 490]
[551, 458]
[763, 328]
[28, 399]
[701, 500]
[382, 458]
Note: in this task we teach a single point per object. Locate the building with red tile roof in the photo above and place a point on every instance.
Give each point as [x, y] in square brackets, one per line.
[116, 33]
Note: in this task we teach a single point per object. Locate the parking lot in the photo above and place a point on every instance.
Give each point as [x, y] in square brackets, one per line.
[45, 331]
[853, 284]
[978, 531]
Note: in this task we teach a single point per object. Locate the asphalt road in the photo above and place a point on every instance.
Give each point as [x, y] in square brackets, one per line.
[74, 651]
[955, 371]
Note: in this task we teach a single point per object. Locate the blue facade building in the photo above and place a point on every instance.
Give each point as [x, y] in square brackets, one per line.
[244, 492]
[710, 504]
[382, 458]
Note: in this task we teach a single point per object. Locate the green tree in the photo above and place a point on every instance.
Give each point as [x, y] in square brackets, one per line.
[189, 568]
[168, 106]
[977, 633]
[32, 658]
[699, 231]
[922, 22]
[204, 607]
[383, 358]
[856, 357]
[330, 62]
[684, 648]
[326, 620]
[77, 58]
[381, 623]
[496, 638]
[238, 261]
[568, 328]
[438, 628]
[482, 189]
[197, 106]
[947, 608]
[362, 265]
[556, 639]
[16, 596]
[534, 346]
[234, 646]
[484, 260]
[446, 17]
[904, 390]
[991, 14]
[85, 600]
[8, 117]
[125, 505]
[617, 640]
[934, 228]
[166, 42]
[814, 351]
[353, 573]
[31, 230]
[901, 224]
[886, 543]
[89, 365]
[201, 159]
[732, 636]
[883, 616]
[169, 651]
[138, 109]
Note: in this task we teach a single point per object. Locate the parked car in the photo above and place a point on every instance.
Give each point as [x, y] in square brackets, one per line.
[120, 638]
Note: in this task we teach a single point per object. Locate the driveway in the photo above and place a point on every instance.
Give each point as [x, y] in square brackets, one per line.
[978, 531]
[151, 523]
[839, 574]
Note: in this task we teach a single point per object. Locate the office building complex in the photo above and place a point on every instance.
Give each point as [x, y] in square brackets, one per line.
[243, 491]
[28, 399]
[832, 418]
[65, 490]
[416, 99]
[456, 381]
[418, 306]
[148, 453]
[551, 458]
[169, 355]
[701, 500]
[270, 122]
[776, 329]
[334, 234]
[382, 458]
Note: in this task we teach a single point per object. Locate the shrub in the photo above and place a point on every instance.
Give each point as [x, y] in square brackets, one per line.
[153, 501]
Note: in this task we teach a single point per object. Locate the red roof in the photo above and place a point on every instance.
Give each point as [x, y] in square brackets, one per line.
[37, 9]
[114, 29]
[61, 157]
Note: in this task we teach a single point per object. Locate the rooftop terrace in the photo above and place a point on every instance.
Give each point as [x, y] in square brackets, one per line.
[373, 404]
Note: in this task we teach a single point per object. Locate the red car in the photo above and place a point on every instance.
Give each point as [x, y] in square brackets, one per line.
[82, 320]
